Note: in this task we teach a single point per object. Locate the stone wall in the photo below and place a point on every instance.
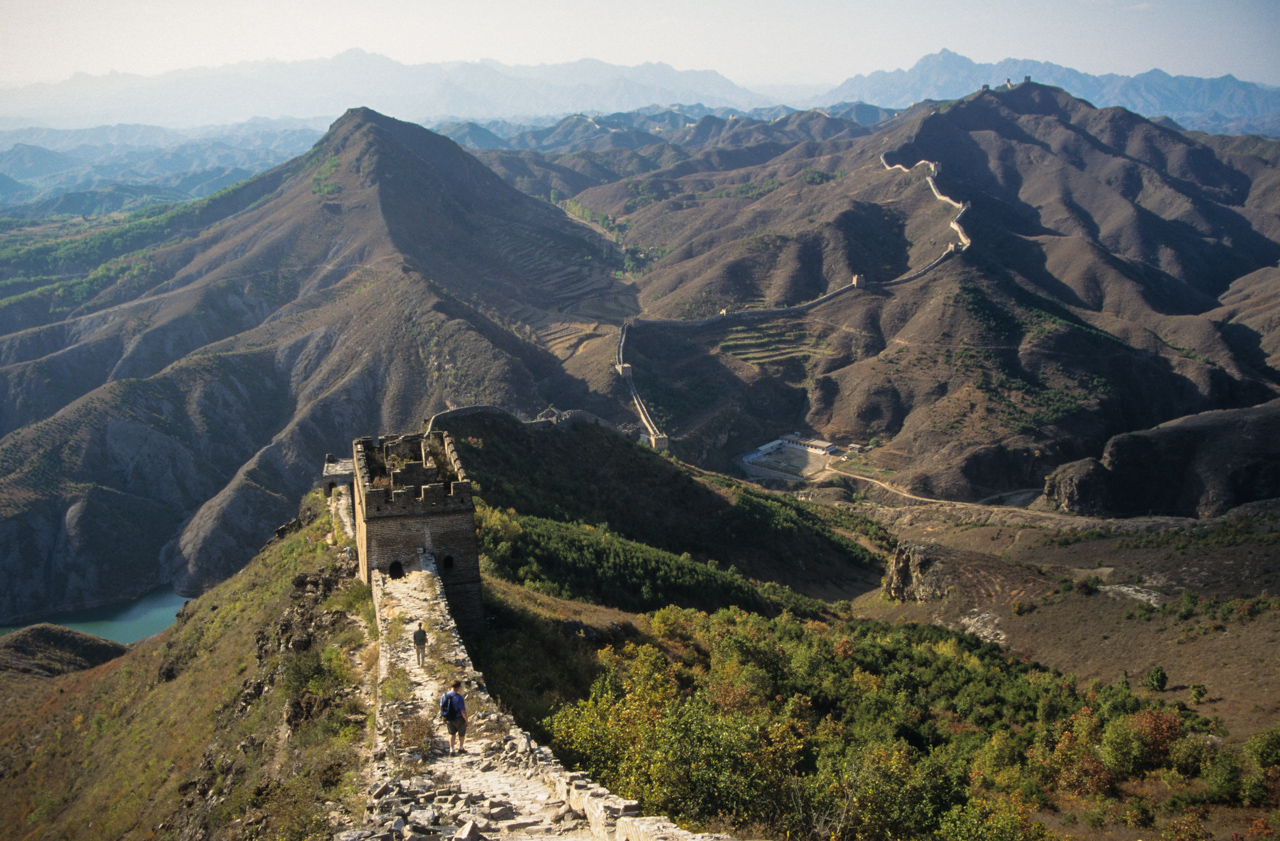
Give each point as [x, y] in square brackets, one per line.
[450, 538]
[506, 784]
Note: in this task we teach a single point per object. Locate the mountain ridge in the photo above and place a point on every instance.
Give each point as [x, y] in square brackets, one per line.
[488, 89]
[192, 368]
[287, 328]
[948, 75]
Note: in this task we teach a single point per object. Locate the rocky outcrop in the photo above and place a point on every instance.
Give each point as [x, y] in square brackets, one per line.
[1081, 487]
[1199, 466]
[918, 572]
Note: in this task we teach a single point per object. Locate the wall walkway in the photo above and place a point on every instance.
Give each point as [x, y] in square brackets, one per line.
[656, 437]
[506, 785]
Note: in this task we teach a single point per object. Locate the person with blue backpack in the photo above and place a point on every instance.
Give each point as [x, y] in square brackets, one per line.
[453, 709]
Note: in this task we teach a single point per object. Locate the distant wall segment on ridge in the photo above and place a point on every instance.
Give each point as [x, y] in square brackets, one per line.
[467, 411]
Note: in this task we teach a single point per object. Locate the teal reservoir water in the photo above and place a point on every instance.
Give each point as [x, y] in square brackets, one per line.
[124, 623]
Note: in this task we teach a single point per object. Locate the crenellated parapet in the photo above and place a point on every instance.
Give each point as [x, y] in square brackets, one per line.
[419, 501]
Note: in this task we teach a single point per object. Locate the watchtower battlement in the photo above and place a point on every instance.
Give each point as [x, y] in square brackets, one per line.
[413, 508]
[410, 475]
[417, 500]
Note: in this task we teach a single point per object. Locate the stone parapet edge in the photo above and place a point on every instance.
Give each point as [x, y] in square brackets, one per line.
[611, 818]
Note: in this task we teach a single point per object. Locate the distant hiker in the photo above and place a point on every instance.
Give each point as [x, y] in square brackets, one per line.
[453, 708]
[420, 645]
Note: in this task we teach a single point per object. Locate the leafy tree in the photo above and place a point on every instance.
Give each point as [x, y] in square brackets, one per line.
[1225, 774]
[1156, 679]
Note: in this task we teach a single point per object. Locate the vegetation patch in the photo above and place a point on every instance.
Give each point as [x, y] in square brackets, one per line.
[848, 729]
[751, 190]
[589, 563]
[320, 183]
[634, 493]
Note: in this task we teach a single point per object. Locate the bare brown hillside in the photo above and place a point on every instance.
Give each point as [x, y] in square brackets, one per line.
[168, 383]
[1087, 306]
[163, 428]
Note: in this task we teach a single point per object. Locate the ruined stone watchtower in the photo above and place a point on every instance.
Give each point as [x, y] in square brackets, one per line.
[413, 505]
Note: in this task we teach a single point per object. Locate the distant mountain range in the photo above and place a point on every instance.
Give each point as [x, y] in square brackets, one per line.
[489, 90]
[1224, 105]
[322, 87]
[123, 167]
[681, 125]
[170, 380]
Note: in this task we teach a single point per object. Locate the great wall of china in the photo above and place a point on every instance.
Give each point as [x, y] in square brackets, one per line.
[505, 785]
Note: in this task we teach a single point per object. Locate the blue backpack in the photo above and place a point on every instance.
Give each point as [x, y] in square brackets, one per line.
[448, 709]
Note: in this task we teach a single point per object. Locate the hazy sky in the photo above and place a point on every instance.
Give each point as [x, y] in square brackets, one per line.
[753, 42]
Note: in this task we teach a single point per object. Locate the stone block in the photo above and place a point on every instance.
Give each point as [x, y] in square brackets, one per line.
[351, 835]
[647, 829]
[468, 832]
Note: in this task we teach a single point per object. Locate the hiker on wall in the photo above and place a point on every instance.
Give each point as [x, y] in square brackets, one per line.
[453, 708]
[420, 645]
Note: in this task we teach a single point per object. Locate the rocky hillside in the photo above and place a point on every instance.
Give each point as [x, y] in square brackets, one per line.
[169, 382]
[244, 717]
[46, 650]
[164, 409]
[1116, 281]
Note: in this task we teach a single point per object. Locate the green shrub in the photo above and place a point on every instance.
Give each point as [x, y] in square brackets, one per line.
[1188, 827]
[1224, 778]
[1123, 750]
[299, 672]
[1139, 815]
[397, 686]
[1264, 748]
[1187, 605]
[1190, 755]
[1156, 679]
[991, 819]
[1088, 586]
[1254, 790]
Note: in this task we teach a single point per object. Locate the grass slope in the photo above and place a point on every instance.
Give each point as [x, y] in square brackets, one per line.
[227, 716]
[590, 475]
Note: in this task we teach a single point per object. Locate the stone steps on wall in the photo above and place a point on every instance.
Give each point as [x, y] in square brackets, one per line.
[505, 785]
